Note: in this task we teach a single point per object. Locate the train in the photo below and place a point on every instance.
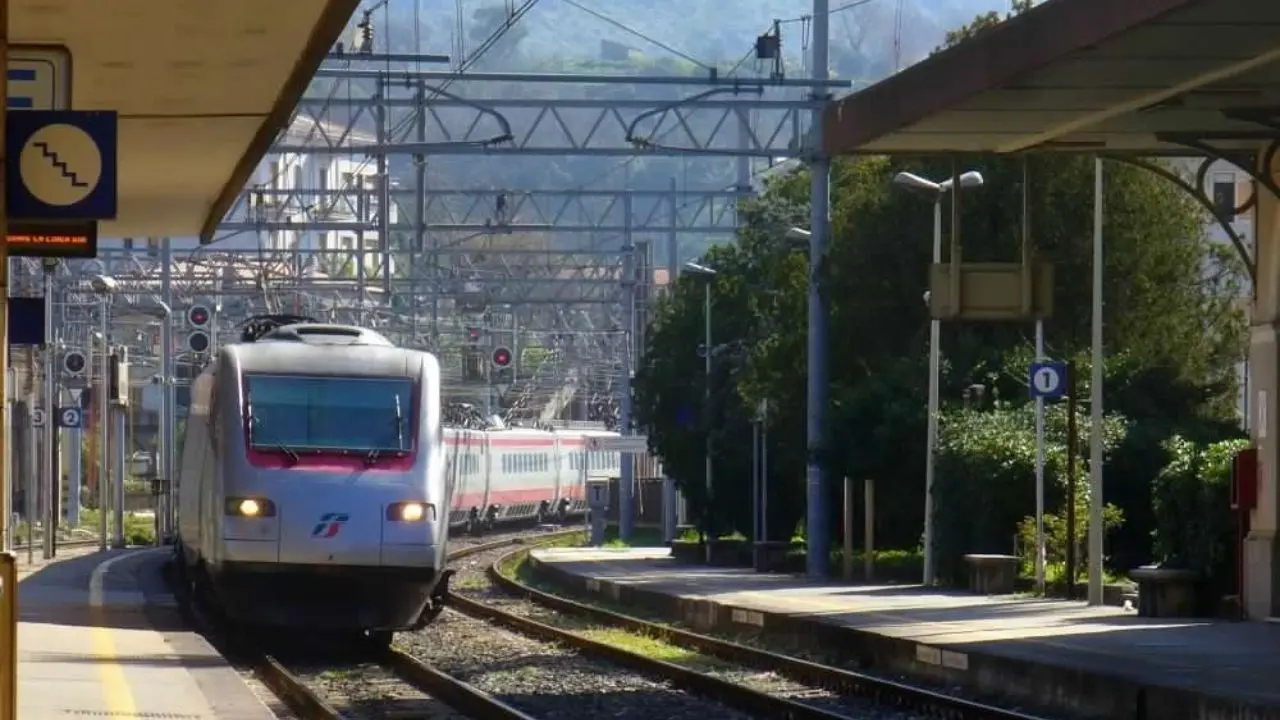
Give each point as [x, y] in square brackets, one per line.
[318, 481]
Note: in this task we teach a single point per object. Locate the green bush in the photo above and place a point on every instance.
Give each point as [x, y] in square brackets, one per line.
[1194, 525]
[985, 485]
[1055, 540]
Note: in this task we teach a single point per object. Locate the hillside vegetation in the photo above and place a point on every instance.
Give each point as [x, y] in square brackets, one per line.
[716, 32]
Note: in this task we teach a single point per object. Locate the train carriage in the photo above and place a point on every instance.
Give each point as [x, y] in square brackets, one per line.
[318, 481]
[312, 487]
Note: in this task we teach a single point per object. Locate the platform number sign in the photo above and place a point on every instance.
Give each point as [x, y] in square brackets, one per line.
[1048, 379]
[70, 417]
[37, 417]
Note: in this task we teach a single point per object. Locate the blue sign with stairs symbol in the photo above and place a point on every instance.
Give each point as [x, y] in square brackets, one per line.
[62, 165]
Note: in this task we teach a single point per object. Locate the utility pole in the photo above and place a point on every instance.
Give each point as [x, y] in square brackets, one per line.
[818, 527]
[626, 481]
[165, 442]
[49, 486]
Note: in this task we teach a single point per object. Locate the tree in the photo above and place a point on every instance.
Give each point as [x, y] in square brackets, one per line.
[1165, 283]
[1158, 300]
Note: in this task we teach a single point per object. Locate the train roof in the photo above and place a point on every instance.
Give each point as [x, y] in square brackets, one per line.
[352, 360]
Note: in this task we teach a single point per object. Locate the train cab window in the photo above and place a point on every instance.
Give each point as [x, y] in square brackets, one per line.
[334, 413]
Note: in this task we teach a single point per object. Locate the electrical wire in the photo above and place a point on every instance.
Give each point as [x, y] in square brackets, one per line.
[632, 31]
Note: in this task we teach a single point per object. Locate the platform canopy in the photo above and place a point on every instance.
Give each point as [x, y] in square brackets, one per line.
[201, 86]
[1121, 76]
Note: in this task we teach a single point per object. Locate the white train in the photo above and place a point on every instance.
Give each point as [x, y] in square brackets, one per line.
[520, 474]
[317, 482]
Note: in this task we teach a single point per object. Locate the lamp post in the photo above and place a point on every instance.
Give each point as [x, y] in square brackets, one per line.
[707, 275]
[934, 191]
[163, 465]
[817, 528]
[104, 286]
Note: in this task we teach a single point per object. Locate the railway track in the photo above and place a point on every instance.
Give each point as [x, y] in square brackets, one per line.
[419, 684]
[808, 680]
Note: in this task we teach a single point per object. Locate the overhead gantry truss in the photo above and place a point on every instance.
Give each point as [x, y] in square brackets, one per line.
[503, 212]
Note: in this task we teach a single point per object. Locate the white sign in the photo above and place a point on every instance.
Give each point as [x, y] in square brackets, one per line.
[628, 444]
[37, 417]
[39, 77]
[598, 494]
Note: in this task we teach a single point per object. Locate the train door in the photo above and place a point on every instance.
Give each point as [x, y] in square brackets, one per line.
[484, 454]
[557, 468]
[456, 473]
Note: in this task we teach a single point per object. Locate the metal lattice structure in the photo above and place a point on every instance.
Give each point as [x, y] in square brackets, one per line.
[420, 203]
[407, 182]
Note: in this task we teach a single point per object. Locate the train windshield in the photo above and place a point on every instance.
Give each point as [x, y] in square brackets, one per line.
[359, 414]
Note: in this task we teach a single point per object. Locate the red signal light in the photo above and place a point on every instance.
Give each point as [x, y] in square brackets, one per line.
[501, 357]
[198, 316]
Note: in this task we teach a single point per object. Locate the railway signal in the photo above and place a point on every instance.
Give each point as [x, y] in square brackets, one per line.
[199, 316]
[501, 357]
[74, 363]
[198, 341]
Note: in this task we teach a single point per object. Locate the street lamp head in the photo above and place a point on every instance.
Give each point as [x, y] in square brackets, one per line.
[911, 181]
[796, 233]
[102, 284]
[971, 178]
[699, 270]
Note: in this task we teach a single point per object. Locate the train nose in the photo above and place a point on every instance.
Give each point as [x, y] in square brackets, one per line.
[320, 530]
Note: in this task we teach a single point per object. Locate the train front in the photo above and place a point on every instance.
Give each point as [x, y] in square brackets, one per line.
[334, 489]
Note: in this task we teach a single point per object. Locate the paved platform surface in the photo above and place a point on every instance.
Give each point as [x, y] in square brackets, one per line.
[1238, 660]
[100, 636]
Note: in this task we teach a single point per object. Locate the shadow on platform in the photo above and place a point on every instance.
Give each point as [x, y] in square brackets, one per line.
[134, 594]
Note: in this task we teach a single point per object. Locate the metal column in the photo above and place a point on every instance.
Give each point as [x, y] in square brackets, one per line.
[626, 483]
[104, 422]
[75, 468]
[671, 502]
[384, 204]
[168, 423]
[818, 527]
[6, 488]
[121, 453]
[50, 450]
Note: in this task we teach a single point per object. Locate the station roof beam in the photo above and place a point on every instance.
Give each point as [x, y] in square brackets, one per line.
[1085, 76]
[201, 87]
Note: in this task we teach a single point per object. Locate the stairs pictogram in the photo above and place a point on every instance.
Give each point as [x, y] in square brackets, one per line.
[57, 162]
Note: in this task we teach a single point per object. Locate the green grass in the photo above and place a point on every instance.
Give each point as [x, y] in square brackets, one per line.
[137, 530]
[641, 537]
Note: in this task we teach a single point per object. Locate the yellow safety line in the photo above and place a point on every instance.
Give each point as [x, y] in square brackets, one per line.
[115, 686]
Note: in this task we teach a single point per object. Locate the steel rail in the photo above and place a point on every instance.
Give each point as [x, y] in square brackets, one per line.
[845, 682]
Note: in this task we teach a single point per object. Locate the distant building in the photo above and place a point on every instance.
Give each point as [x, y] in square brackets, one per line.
[1230, 189]
[322, 188]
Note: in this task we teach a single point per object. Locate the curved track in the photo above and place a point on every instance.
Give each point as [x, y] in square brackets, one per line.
[308, 704]
[885, 693]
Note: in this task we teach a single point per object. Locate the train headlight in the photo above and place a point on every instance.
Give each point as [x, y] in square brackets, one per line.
[411, 512]
[250, 507]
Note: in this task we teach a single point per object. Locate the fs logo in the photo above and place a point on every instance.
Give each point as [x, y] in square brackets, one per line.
[330, 525]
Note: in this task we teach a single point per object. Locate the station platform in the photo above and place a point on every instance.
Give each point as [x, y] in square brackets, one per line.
[99, 635]
[1103, 662]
